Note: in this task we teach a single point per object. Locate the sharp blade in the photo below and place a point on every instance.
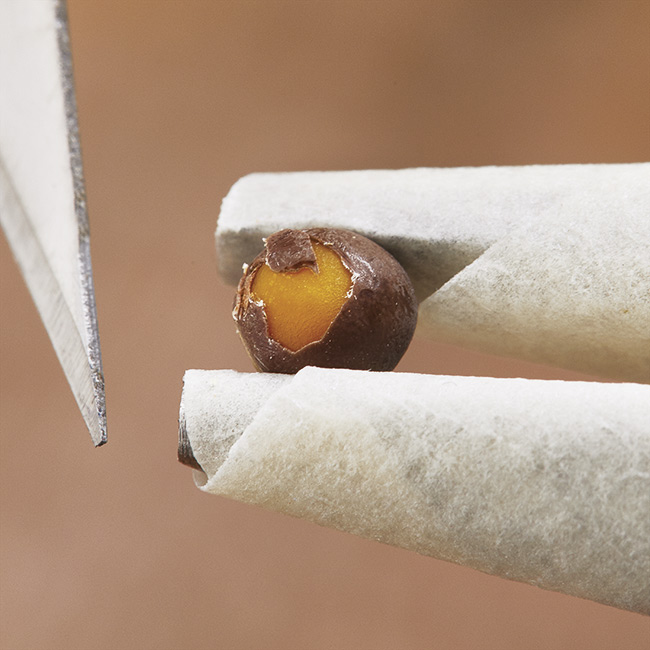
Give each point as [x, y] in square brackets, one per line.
[42, 193]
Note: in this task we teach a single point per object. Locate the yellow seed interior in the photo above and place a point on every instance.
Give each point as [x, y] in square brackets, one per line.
[300, 305]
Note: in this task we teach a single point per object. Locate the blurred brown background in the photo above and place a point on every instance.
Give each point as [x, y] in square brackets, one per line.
[115, 548]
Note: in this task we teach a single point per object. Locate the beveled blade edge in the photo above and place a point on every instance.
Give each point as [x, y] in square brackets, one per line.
[85, 381]
[93, 350]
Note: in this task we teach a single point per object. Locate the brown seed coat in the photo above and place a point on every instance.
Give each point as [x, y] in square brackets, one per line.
[374, 326]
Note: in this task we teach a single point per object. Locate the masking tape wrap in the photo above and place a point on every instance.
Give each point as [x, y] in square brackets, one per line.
[548, 263]
[543, 482]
